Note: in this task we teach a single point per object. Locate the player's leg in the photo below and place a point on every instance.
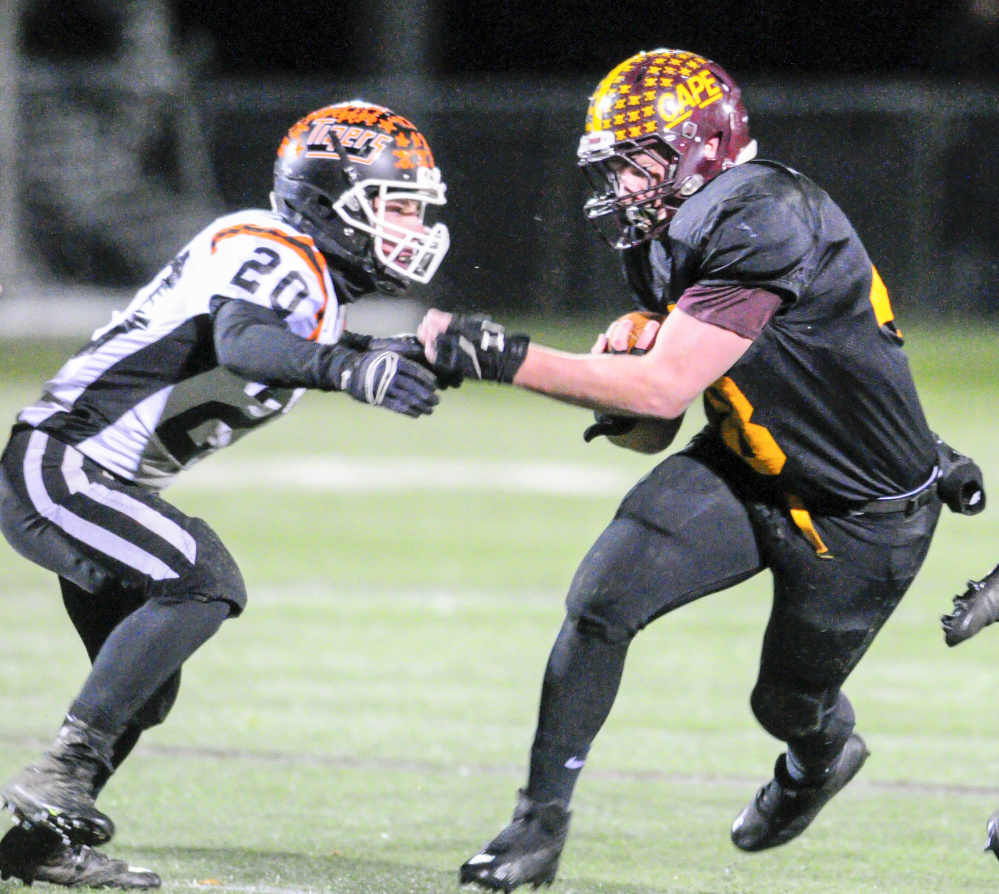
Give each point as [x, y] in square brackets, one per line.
[37, 854]
[68, 515]
[826, 612]
[680, 534]
[95, 616]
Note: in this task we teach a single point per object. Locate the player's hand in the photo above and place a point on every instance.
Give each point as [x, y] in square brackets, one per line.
[387, 379]
[618, 337]
[471, 347]
[405, 345]
[433, 324]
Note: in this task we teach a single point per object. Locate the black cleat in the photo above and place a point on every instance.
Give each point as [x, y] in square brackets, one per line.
[992, 843]
[56, 793]
[43, 856]
[783, 809]
[525, 852]
[976, 608]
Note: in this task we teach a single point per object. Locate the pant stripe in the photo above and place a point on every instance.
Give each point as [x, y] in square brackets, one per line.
[149, 518]
[86, 532]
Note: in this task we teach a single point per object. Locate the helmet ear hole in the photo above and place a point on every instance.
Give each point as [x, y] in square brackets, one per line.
[324, 207]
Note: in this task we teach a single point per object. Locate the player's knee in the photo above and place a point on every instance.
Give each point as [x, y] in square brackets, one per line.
[597, 626]
[786, 713]
[214, 577]
[155, 711]
[605, 599]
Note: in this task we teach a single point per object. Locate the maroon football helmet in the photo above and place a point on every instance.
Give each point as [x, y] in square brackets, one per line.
[653, 115]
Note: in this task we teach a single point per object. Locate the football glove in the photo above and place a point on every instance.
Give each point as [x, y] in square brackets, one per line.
[387, 379]
[474, 347]
[408, 346]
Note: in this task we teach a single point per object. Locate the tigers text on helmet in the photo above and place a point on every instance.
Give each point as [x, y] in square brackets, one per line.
[339, 173]
[652, 116]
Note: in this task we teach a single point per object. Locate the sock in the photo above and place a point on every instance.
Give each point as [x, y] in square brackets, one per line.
[141, 653]
[810, 758]
[580, 685]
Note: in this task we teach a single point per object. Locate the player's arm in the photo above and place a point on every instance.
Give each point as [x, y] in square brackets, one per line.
[253, 342]
[687, 356]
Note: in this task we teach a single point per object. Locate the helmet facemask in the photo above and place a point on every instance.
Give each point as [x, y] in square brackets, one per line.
[412, 254]
[625, 217]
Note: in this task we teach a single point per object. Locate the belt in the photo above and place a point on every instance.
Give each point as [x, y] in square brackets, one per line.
[906, 503]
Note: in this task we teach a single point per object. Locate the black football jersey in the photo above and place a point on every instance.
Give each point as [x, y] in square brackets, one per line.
[824, 398]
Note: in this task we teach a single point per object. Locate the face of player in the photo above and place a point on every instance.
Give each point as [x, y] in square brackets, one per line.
[404, 213]
[399, 214]
[645, 173]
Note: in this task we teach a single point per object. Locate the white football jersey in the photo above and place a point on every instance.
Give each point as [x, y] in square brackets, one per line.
[146, 398]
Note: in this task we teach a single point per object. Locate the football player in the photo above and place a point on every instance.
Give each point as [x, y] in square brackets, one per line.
[226, 338]
[816, 463]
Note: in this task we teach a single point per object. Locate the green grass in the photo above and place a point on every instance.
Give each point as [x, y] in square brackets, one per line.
[365, 725]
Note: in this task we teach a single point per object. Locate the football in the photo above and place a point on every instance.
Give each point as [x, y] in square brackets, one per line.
[639, 320]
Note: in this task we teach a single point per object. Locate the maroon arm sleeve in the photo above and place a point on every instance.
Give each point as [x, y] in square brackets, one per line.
[742, 311]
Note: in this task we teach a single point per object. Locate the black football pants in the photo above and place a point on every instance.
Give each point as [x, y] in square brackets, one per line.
[694, 526]
[143, 584]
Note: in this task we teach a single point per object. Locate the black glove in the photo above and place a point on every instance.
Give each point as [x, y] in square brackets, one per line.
[474, 347]
[961, 485]
[609, 425]
[407, 346]
[387, 379]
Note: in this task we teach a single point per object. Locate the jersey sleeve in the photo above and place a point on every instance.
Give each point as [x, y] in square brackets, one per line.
[756, 242]
[273, 269]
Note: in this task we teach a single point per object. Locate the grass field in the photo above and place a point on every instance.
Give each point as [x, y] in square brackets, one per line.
[365, 725]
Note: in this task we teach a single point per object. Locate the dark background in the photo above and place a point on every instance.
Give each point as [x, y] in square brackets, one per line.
[890, 106]
[751, 37]
[953, 38]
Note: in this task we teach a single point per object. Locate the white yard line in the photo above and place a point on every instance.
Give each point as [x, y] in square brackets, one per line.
[343, 474]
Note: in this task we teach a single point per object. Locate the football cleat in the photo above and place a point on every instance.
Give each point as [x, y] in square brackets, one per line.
[39, 855]
[783, 809]
[525, 852]
[976, 608]
[57, 792]
[992, 842]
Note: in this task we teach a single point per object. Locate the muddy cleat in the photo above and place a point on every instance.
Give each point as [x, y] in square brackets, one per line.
[56, 793]
[976, 608]
[525, 852]
[783, 808]
[43, 856]
[992, 844]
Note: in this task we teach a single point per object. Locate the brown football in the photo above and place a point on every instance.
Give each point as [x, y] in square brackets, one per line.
[639, 319]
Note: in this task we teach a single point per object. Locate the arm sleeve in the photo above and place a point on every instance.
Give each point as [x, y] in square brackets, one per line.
[742, 311]
[254, 343]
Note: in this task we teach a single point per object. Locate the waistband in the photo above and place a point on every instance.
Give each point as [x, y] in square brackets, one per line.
[904, 503]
